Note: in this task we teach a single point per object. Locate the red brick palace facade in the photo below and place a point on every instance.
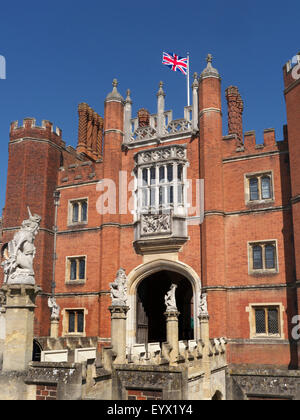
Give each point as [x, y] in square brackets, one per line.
[244, 254]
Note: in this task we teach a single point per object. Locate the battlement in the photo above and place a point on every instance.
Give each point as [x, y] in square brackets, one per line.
[30, 129]
[232, 146]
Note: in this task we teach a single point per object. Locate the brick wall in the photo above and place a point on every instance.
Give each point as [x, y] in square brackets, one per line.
[46, 392]
[143, 395]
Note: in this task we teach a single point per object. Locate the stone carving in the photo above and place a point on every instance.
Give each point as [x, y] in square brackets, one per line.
[161, 154]
[259, 384]
[118, 289]
[203, 305]
[156, 223]
[20, 253]
[144, 133]
[179, 126]
[170, 299]
[55, 308]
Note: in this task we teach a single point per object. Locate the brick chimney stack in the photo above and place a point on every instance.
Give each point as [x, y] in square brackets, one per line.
[235, 112]
[143, 117]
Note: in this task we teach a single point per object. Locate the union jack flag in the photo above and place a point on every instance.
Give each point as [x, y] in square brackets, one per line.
[175, 62]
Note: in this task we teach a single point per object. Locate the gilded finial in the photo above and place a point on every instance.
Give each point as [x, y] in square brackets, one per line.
[209, 58]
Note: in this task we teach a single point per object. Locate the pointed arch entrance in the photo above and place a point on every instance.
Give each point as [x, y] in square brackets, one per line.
[150, 309]
[147, 286]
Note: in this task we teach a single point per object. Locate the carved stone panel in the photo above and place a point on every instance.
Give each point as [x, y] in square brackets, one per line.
[155, 224]
[161, 154]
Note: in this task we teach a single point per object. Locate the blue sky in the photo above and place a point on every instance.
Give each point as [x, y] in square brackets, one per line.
[61, 53]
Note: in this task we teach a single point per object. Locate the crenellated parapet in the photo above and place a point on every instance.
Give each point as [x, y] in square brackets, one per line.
[29, 129]
[232, 147]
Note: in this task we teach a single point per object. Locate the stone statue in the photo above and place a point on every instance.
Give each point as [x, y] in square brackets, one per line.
[203, 304]
[170, 300]
[55, 308]
[20, 252]
[118, 289]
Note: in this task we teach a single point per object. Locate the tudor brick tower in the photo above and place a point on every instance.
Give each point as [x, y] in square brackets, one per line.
[292, 98]
[211, 170]
[34, 159]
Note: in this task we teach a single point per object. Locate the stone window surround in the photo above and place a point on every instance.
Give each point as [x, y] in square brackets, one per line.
[70, 211]
[263, 271]
[68, 270]
[157, 163]
[258, 174]
[65, 322]
[252, 324]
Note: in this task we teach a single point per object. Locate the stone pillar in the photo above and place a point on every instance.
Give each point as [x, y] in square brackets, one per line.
[127, 118]
[2, 327]
[160, 111]
[204, 336]
[118, 332]
[54, 328]
[195, 87]
[172, 333]
[18, 344]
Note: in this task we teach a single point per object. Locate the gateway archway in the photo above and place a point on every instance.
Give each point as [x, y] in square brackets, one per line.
[150, 308]
[176, 270]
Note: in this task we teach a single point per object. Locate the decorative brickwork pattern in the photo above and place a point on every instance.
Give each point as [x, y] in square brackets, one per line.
[90, 132]
[235, 112]
[143, 117]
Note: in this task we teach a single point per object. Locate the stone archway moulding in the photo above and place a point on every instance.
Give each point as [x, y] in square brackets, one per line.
[139, 273]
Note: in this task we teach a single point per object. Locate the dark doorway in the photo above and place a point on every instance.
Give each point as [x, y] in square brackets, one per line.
[36, 352]
[151, 322]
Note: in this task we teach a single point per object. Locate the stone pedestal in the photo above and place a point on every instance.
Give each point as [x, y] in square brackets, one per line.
[19, 319]
[172, 334]
[54, 324]
[118, 332]
[204, 336]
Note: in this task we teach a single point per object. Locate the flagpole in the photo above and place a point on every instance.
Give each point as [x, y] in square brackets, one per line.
[188, 79]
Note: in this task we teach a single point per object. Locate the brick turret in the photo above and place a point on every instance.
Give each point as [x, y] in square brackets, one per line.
[112, 165]
[292, 97]
[35, 154]
[212, 229]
